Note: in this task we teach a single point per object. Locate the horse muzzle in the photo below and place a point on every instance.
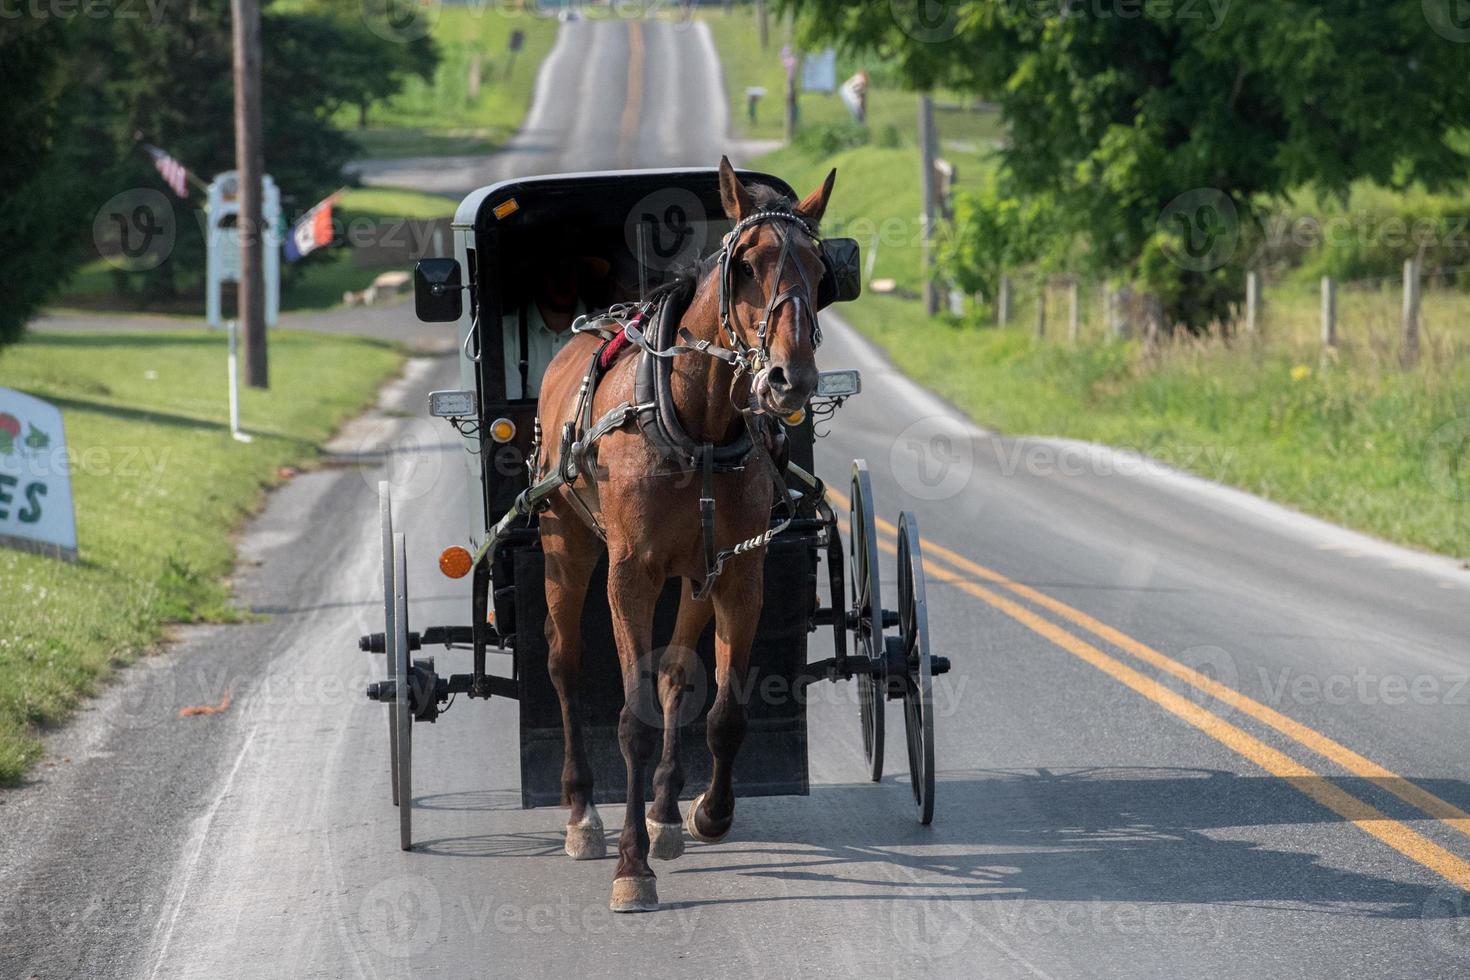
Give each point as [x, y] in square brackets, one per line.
[781, 390]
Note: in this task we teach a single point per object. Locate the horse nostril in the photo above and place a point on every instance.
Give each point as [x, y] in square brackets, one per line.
[776, 376]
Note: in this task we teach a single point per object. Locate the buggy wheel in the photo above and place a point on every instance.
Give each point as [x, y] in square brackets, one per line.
[402, 696]
[867, 616]
[918, 692]
[385, 521]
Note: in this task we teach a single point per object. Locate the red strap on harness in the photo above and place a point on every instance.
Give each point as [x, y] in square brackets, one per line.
[616, 346]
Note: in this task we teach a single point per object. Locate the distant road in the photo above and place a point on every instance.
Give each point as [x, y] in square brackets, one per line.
[1187, 733]
[611, 95]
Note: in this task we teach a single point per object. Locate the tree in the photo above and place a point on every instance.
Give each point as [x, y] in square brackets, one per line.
[76, 94]
[1161, 127]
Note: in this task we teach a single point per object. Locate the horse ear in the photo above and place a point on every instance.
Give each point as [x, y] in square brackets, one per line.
[733, 195]
[815, 204]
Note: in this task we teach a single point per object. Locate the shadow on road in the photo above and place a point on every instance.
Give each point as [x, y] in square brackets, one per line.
[1080, 835]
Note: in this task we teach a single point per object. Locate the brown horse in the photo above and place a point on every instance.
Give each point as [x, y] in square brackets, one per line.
[650, 515]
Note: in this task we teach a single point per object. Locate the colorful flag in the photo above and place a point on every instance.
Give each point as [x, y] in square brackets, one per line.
[174, 173]
[312, 231]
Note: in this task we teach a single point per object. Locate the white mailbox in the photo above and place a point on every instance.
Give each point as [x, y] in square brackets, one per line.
[223, 243]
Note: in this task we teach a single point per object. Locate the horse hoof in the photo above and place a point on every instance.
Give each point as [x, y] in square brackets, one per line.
[693, 828]
[634, 895]
[586, 841]
[665, 840]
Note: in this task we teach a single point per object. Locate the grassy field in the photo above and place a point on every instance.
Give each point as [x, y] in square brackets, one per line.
[1347, 435]
[159, 489]
[440, 117]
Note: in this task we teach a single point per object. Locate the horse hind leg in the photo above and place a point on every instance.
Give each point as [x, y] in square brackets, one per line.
[571, 553]
[678, 673]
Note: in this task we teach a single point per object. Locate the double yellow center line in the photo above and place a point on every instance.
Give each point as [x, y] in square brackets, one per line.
[954, 569]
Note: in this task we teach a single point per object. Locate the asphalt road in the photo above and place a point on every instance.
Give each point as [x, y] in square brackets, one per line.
[1187, 733]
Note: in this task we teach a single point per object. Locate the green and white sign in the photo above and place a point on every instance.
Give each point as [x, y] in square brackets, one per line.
[35, 479]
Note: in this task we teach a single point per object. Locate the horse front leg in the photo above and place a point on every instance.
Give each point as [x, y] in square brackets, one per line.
[571, 554]
[737, 600]
[677, 669]
[632, 591]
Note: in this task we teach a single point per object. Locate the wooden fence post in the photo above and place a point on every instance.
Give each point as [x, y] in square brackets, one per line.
[1003, 302]
[1252, 301]
[1410, 353]
[1329, 312]
[1041, 308]
[1073, 301]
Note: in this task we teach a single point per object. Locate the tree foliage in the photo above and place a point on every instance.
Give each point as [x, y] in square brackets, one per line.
[80, 94]
[1115, 108]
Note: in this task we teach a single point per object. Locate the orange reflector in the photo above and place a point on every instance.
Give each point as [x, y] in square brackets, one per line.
[502, 430]
[455, 562]
[796, 417]
[506, 208]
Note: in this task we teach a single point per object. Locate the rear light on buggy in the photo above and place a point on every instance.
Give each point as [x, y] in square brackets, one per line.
[795, 418]
[455, 562]
[502, 430]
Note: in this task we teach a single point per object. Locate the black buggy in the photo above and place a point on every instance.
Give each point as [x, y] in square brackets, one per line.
[633, 228]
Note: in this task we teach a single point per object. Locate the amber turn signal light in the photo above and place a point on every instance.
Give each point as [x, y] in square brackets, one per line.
[455, 562]
[502, 430]
[796, 417]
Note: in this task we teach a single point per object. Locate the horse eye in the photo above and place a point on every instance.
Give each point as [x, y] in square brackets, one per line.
[747, 268]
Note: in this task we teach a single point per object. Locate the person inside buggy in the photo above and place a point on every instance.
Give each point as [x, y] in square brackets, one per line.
[565, 279]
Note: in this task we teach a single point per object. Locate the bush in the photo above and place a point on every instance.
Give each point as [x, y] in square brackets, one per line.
[829, 139]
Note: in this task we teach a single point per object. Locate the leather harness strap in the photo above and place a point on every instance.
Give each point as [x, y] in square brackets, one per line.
[653, 406]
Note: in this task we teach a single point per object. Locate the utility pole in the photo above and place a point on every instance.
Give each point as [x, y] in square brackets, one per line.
[764, 21]
[250, 166]
[926, 154]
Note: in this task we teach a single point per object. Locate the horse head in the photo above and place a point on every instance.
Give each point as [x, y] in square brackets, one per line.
[770, 267]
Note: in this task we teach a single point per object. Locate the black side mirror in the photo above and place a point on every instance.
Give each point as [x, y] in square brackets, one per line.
[842, 272]
[436, 290]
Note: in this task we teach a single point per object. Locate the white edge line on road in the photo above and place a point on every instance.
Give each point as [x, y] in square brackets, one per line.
[183, 873]
[1305, 529]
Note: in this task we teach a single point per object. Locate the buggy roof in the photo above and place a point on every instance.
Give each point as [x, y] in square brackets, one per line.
[552, 195]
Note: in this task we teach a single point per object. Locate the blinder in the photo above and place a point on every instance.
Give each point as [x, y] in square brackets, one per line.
[842, 276]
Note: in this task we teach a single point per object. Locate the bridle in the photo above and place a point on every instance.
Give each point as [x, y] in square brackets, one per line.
[754, 359]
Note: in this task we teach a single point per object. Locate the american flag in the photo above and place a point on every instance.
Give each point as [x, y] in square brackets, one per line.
[174, 173]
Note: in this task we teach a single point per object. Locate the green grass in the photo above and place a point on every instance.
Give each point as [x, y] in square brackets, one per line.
[159, 489]
[439, 117]
[1346, 435]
